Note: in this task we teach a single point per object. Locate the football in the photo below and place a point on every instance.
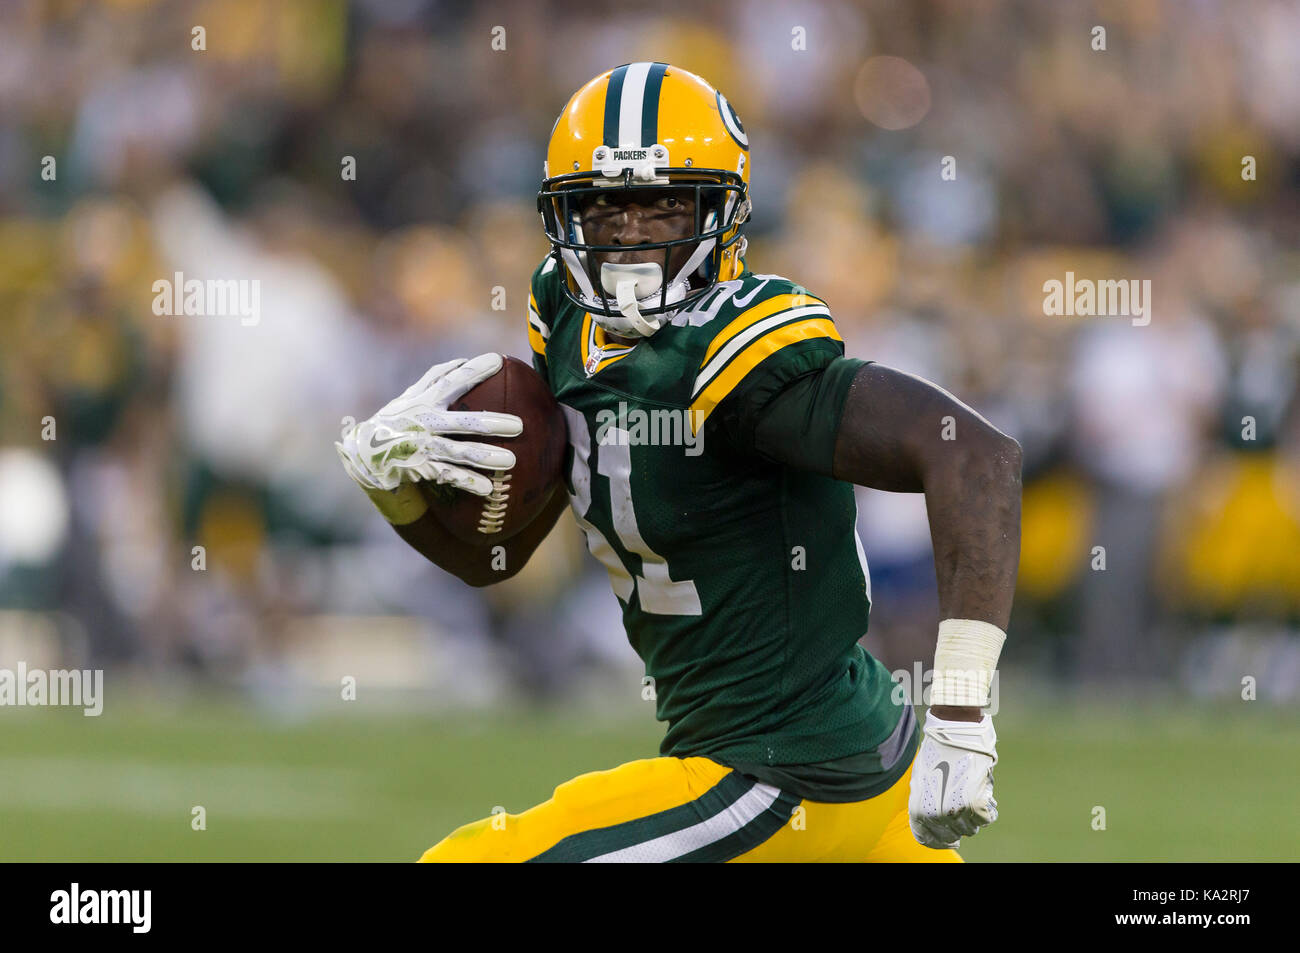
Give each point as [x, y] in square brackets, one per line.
[519, 494]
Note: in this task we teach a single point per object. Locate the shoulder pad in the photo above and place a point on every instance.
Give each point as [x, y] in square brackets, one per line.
[761, 316]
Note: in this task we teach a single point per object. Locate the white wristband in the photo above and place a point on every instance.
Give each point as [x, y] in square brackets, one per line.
[965, 660]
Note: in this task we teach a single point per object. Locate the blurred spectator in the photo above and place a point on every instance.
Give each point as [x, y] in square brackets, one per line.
[228, 162]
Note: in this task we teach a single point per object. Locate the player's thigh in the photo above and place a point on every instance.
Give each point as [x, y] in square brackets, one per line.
[596, 814]
[897, 844]
[873, 831]
[823, 832]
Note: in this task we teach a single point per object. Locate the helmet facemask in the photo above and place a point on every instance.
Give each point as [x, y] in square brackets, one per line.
[628, 299]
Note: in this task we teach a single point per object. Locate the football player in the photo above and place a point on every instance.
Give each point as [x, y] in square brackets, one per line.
[734, 553]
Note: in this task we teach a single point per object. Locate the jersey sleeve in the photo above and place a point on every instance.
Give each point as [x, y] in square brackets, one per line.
[772, 344]
[540, 311]
[799, 426]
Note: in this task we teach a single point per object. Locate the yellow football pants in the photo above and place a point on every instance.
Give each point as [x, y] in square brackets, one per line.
[690, 809]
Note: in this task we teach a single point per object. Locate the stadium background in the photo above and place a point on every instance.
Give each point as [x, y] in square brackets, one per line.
[1122, 688]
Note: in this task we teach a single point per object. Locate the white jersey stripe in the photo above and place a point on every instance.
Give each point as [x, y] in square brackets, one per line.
[536, 321]
[726, 822]
[757, 329]
[862, 553]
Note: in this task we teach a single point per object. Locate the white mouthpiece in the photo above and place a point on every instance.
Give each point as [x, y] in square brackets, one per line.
[629, 284]
[641, 280]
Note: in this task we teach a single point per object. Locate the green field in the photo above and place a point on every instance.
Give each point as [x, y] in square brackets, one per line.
[1177, 783]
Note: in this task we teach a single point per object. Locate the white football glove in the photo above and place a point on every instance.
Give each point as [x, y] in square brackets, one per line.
[952, 781]
[407, 439]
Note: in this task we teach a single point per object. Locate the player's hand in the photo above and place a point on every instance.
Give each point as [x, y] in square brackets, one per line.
[407, 440]
[952, 781]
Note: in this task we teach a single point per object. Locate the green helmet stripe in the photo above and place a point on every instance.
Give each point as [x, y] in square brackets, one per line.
[650, 104]
[613, 96]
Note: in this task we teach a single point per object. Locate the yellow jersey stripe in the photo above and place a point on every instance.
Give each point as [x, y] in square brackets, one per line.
[614, 356]
[538, 332]
[610, 360]
[536, 341]
[767, 345]
[594, 334]
[742, 340]
[757, 313]
[602, 340]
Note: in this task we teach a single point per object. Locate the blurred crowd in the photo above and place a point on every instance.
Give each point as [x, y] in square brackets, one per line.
[170, 496]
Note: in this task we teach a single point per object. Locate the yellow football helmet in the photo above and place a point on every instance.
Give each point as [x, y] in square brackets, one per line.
[646, 125]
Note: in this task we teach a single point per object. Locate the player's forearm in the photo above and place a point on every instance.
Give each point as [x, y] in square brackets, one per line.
[904, 434]
[901, 433]
[408, 512]
[972, 496]
[477, 564]
[466, 561]
[974, 510]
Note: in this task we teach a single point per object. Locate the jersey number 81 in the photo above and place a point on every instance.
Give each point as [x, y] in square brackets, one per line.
[659, 593]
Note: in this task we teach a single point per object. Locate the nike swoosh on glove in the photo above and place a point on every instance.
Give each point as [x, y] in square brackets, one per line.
[952, 781]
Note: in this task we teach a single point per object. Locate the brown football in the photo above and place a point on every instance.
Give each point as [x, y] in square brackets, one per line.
[518, 494]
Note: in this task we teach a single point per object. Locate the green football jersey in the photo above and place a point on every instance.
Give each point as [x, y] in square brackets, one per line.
[743, 583]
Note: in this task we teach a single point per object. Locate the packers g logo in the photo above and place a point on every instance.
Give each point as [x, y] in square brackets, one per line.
[732, 122]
